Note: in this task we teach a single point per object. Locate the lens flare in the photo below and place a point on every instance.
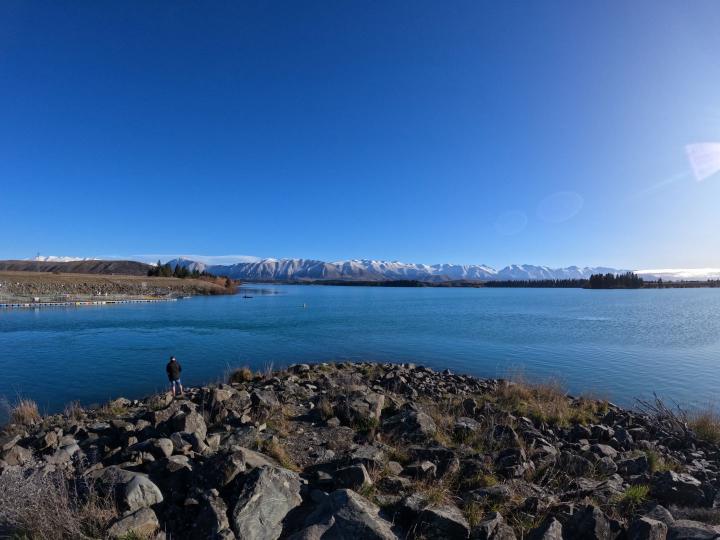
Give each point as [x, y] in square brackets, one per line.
[704, 159]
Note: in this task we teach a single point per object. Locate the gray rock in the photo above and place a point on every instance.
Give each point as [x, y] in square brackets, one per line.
[17, 455]
[212, 521]
[394, 467]
[606, 466]
[415, 425]
[421, 470]
[496, 494]
[603, 450]
[267, 495]
[684, 529]
[353, 477]
[442, 521]
[550, 530]
[660, 513]
[264, 399]
[470, 406]
[142, 523]
[574, 464]
[368, 455]
[221, 469]
[8, 441]
[681, 489]
[159, 448]
[346, 515]
[191, 422]
[465, 427]
[395, 484]
[590, 522]
[141, 492]
[632, 466]
[493, 528]
[645, 528]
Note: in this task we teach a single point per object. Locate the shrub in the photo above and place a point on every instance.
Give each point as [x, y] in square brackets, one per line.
[479, 480]
[547, 402]
[25, 412]
[473, 513]
[657, 463]
[277, 451]
[706, 424]
[633, 497]
[73, 411]
[243, 374]
[47, 507]
[324, 408]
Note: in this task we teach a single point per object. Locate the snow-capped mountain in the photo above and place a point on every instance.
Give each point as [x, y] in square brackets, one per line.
[55, 258]
[372, 270]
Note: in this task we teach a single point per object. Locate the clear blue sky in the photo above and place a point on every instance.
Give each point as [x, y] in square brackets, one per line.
[477, 132]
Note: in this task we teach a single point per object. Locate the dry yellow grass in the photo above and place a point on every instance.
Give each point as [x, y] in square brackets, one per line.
[240, 375]
[706, 424]
[25, 412]
[277, 451]
[547, 402]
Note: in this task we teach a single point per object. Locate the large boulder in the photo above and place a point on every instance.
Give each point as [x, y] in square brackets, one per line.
[635, 465]
[191, 422]
[140, 524]
[411, 424]
[677, 488]
[353, 477]
[141, 492]
[345, 514]
[684, 529]
[443, 521]
[222, 468]
[212, 520]
[589, 522]
[646, 528]
[264, 400]
[267, 495]
[17, 455]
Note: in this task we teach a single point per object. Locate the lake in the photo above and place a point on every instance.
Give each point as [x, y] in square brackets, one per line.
[617, 344]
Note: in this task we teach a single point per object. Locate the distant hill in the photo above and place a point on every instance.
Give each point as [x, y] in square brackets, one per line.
[126, 268]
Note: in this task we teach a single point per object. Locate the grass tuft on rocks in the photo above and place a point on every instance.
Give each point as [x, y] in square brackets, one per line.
[547, 402]
[47, 507]
[73, 411]
[706, 424]
[633, 498]
[25, 412]
[277, 451]
[241, 375]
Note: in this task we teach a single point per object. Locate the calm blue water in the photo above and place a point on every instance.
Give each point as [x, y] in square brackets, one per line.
[618, 344]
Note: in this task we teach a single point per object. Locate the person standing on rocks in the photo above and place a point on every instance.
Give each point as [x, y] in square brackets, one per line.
[173, 370]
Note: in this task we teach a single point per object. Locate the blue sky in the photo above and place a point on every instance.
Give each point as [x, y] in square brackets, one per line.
[533, 132]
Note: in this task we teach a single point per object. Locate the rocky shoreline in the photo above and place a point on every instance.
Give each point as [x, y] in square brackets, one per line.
[361, 451]
[26, 286]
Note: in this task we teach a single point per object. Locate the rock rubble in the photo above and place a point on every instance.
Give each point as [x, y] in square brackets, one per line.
[368, 451]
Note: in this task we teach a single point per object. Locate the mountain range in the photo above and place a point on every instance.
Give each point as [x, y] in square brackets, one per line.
[372, 270]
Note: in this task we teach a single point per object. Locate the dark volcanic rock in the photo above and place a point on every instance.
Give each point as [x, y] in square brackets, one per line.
[267, 495]
[345, 514]
[381, 452]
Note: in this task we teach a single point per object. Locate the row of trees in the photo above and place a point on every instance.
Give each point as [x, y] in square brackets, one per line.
[628, 280]
[166, 270]
[541, 283]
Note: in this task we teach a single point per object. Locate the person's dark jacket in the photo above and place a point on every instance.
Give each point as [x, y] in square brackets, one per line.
[173, 370]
